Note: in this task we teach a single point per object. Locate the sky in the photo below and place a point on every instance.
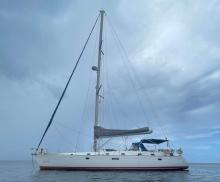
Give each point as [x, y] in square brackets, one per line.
[161, 68]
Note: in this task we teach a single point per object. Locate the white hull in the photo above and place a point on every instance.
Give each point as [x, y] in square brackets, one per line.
[112, 161]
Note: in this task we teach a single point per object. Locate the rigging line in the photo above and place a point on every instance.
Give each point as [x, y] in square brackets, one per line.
[86, 111]
[124, 139]
[106, 69]
[117, 40]
[55, 110]
[108, 87]
[142, 88]
[103, 144]
[134, 85]
[146, 94]
[73, 129]
[111, 93]
[65, 138]
[115, 102]
[104, 88]
[102, 105]
[108, 106]
[86, 105]
[110, 111]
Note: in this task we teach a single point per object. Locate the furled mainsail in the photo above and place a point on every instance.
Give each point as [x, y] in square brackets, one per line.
[100, 132]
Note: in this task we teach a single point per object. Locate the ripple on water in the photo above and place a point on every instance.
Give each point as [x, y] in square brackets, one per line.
[22, 171]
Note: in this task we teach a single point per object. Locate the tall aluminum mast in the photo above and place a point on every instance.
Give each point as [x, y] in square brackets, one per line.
[98, 85]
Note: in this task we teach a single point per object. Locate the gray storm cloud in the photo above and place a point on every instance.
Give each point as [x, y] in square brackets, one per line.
[173, 49]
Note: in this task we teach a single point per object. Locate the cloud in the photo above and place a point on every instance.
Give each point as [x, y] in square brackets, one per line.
[203, 148]
[206, 134]
[173, 49]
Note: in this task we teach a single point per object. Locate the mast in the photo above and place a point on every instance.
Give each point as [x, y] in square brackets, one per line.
[98, 85]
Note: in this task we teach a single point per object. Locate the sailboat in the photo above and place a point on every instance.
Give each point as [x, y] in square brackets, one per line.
[137, 157]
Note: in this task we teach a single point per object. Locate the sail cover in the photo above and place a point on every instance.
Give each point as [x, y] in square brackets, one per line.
[100, 132]
[153, 141]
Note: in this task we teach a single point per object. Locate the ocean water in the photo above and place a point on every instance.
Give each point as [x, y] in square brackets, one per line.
[23, 171]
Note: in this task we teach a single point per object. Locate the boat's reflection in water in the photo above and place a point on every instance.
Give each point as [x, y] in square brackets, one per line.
[110, 176]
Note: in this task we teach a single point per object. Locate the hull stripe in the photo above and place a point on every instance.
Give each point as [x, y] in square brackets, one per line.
[64, 168]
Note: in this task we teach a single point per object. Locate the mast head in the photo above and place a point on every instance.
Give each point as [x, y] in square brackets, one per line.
[102, 11]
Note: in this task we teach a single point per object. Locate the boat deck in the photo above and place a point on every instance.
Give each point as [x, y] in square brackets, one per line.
[160, 152]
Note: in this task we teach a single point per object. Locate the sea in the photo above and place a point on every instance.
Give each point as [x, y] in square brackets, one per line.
[25, 171]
